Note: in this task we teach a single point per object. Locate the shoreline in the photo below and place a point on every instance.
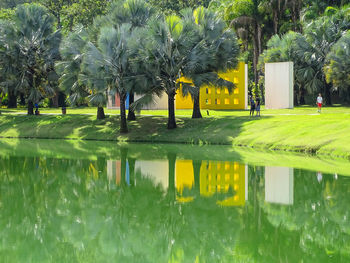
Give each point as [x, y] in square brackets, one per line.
[296, 134]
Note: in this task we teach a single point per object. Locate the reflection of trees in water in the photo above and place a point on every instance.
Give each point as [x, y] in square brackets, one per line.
[62, 210]
[311, 221]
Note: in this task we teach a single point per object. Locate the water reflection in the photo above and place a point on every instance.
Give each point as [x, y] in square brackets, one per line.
[226, 181]
[170, 209]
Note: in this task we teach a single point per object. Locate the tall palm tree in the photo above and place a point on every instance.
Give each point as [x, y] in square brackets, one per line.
[35, 45]
[134, 12]
[215, 49]
[72, 79]
[8, 63]
[108, 66]
[165, 52]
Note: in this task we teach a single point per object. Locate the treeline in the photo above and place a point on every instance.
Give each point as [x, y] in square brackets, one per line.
[318, 66]
[133, 48]
[87, 50]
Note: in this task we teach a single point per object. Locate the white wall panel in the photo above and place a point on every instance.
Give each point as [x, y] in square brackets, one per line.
[279, 82]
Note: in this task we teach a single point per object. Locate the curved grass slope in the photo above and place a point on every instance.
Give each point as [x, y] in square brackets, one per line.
[92, 150]
[299, 130]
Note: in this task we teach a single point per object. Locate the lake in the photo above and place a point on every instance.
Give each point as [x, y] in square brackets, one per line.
[85, 201]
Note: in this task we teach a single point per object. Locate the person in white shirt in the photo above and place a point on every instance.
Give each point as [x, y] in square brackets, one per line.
[319, 102]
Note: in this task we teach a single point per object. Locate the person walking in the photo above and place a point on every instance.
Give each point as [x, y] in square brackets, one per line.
[257, 107]
[319, 102]
[252, 106]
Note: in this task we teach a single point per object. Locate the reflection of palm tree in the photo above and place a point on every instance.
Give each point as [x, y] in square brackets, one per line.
[131, 162]
[197, 170]
[171, 173]
[123, 156]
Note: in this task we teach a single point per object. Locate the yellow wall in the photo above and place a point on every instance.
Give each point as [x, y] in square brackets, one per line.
[182, 102]
[216, 98]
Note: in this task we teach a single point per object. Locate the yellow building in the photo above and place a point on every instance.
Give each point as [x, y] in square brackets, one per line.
[214, 98]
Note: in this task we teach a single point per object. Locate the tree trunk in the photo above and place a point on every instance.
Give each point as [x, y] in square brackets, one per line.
[100, 113]
[327, 93]
[275, 22]
[171, 110]
[296, 102]
[12, 100]
[196, 114]
[54, 100]
[301, 96]
[30, 108]
[131, 113]
[123, 124]
[256, 55]
[61, 99]
[22, 100]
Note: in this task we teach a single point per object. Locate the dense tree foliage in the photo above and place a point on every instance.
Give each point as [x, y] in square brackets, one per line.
[30, 45]
[338, 69]
[215, 49]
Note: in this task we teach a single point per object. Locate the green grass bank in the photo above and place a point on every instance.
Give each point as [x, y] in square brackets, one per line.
[300, 130]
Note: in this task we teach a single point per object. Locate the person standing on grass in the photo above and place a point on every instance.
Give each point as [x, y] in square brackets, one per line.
[319, 102]
[257, 102]
[252, 106]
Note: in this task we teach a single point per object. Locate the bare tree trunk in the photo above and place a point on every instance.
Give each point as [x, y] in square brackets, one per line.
[301, 96]
[123, 124]
[255, 58]
[100, 113]
[327, 93]
[55, 100]
[131, 113]
[30, 108]
[196, 114]
[275, 22]
[12, 100]
[22, 100]
[171, 110]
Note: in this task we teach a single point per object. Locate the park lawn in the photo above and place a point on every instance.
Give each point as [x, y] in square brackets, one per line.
[93, 111]
[301, 129]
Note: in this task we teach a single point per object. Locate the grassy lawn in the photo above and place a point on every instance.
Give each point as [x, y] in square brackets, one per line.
[300, 129]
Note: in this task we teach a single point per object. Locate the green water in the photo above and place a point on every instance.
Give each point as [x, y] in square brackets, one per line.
[63, 201]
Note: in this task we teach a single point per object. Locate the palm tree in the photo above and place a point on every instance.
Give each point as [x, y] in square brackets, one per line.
[8, 64]
[134, 12]
[283, 49]
[215, 49]
[164, 55]
[35, 47]
[108, 66]
[73, 80]
[338, 68]
[320, 36]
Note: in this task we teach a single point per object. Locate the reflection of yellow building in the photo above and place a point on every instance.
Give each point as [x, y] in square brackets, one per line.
[184, 178]
[223, 177]
[215, 98]
[216, 177]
